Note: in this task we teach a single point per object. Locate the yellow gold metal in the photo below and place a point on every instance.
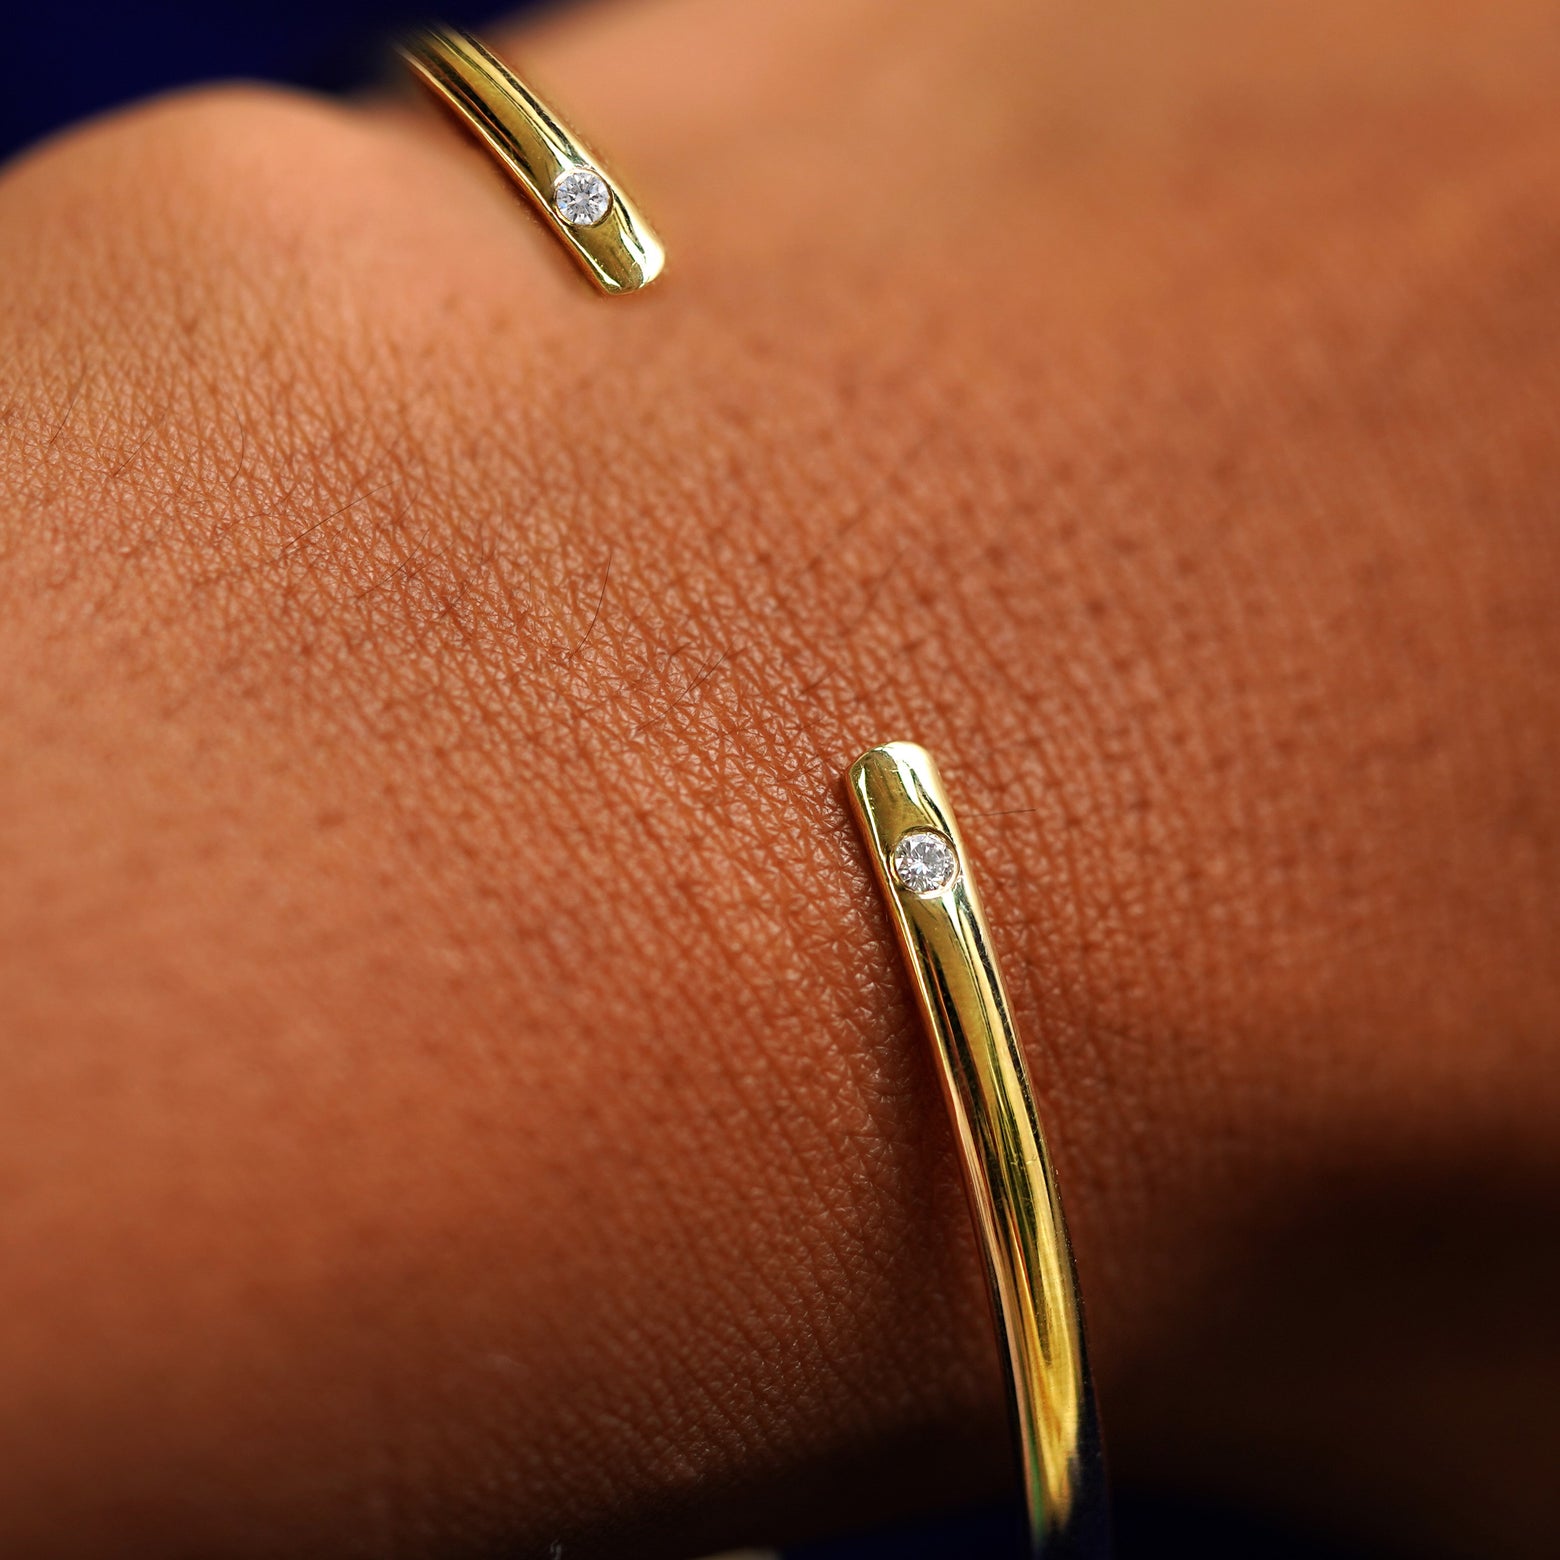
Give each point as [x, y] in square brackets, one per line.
[620, 252]
[895, 791]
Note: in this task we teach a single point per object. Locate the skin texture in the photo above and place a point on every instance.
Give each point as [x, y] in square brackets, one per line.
[457, 1095]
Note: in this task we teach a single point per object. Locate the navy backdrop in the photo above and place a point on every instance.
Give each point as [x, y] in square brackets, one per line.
[63, 61]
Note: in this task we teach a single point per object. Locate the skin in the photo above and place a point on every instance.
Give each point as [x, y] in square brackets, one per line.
[457, 1094]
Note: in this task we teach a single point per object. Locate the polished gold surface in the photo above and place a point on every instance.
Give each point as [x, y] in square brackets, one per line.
[895, 791]
[620, 253]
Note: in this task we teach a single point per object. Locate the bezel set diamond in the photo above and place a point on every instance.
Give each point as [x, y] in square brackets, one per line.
[925, 862]
[581, 197]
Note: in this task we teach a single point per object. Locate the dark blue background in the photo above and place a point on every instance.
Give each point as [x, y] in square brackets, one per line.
[59, 63]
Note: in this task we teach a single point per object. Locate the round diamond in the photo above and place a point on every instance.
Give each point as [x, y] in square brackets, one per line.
[582, 197]
[925, 863]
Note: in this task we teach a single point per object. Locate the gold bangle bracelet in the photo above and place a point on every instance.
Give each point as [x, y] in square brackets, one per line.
[923, 870]
[599, 225]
